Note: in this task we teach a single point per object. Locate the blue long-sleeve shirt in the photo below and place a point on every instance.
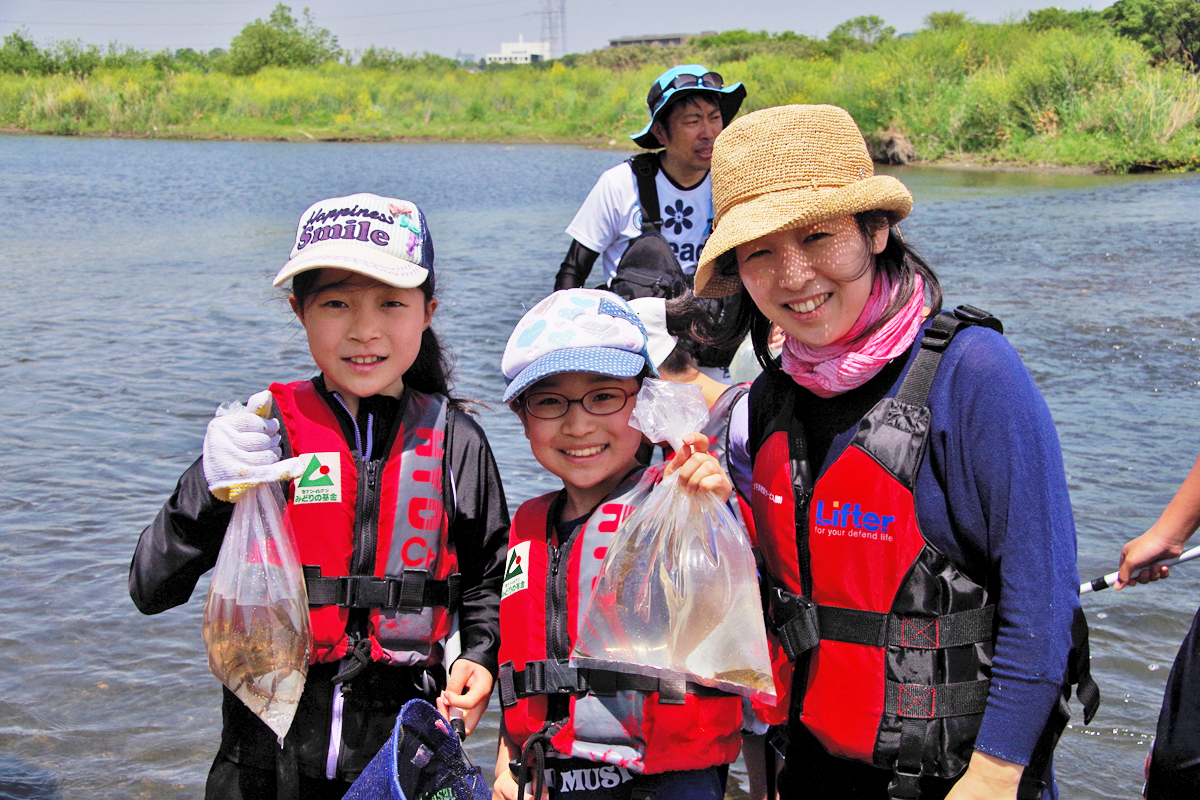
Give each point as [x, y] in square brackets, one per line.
[992, 496]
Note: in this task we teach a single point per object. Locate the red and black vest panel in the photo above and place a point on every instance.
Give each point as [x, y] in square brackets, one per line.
[893, 641]
[372, 535]
[643, 724]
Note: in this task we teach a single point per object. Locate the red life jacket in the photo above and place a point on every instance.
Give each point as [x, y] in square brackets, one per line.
[372, 535]
[894, 641]
[643, 724]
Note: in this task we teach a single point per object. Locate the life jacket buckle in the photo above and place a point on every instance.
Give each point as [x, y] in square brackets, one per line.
[364, 591]
[552, 677]
[794, 620]
[977, 316]
[904, 785]
[936, 338]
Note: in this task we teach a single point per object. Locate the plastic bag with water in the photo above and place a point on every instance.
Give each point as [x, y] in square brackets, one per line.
[256, 626]
[678, 590]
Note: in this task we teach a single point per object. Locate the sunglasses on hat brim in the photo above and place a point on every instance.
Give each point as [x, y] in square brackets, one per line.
[709, 80]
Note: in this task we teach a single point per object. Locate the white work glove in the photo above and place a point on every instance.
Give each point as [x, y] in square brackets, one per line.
[241, 449]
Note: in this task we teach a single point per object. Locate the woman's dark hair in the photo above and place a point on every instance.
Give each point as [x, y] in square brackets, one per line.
[691, 325]
[898, 262]
[431, 373]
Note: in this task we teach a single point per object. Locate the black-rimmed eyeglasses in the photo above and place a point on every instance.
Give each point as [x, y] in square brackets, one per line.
[709, 80]
[598, 402]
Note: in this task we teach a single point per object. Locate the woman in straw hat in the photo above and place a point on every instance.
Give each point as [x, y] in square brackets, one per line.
[906, 481]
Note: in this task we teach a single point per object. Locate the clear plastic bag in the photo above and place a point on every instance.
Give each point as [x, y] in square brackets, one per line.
[256, 626]
[678, 590]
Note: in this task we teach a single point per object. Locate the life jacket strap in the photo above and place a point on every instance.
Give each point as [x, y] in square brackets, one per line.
[915, 389]
[800, 624]
[907, 771]
[553, 677]
[533, 760]
[409, 593]
[920, 701]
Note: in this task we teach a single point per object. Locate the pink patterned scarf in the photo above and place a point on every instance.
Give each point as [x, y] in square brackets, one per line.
[842, 366]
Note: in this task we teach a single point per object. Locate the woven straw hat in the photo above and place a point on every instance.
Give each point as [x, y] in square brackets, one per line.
[787, 167]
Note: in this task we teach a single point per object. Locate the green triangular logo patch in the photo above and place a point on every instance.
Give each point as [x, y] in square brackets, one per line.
[315, 475]
[514, 568]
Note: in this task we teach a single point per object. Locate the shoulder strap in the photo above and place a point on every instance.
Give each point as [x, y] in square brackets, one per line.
[645, 168]
[769, 394]
[945, 326]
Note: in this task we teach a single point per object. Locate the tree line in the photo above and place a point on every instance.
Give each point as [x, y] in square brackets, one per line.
[1169, 30]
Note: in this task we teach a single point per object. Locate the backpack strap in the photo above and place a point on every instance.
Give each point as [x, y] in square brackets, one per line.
[645, 168]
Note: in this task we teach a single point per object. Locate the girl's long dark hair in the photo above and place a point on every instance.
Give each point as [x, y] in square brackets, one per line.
[433, 370]
[898, 262]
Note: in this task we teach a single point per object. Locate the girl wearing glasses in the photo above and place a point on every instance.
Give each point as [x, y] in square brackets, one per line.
[574, 364]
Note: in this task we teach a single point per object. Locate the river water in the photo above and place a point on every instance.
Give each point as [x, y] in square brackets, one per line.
[135, 297]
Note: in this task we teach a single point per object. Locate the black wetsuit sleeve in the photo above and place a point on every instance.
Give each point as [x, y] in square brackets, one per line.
[576, 267]
[179, 546]
[480, 535]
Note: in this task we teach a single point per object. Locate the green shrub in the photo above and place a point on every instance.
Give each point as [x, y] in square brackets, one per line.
[281, 42]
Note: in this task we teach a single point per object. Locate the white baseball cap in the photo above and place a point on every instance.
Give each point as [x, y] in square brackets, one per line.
[380, 237]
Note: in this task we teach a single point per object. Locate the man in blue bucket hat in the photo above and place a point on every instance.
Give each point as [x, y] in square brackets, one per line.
[689, 105]
[648, 218]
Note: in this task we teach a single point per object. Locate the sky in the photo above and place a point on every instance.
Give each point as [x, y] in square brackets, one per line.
[477, 27]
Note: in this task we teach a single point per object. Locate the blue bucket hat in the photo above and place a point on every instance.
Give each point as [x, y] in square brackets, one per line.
[690, 79]
[422, 759]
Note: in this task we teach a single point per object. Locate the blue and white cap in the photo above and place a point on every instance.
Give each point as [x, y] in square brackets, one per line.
[575, 330]
[380, 237]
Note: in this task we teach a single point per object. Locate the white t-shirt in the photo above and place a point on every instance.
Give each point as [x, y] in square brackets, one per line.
[611, 217]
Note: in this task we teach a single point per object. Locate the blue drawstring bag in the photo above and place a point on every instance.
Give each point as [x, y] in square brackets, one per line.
[422, 760]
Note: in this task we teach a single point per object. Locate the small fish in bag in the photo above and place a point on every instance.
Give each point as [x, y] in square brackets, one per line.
[678, 591]
[256, 626]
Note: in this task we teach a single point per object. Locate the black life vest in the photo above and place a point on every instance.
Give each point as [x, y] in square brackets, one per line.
[649, 268]
[893, 657]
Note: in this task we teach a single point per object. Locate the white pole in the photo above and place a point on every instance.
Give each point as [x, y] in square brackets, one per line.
[1111, 578]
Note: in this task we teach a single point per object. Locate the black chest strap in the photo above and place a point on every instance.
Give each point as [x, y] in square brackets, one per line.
[645, 168]
[553, 677]
[409, 593]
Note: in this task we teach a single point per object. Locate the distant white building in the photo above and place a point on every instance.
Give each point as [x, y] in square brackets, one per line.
[520, 52]
[658, 39]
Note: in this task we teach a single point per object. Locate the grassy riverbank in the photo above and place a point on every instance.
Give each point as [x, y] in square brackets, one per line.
[1004, 93]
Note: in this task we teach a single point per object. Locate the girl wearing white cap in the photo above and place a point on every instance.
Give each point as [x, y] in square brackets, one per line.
[396, 504]
[906, 482]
